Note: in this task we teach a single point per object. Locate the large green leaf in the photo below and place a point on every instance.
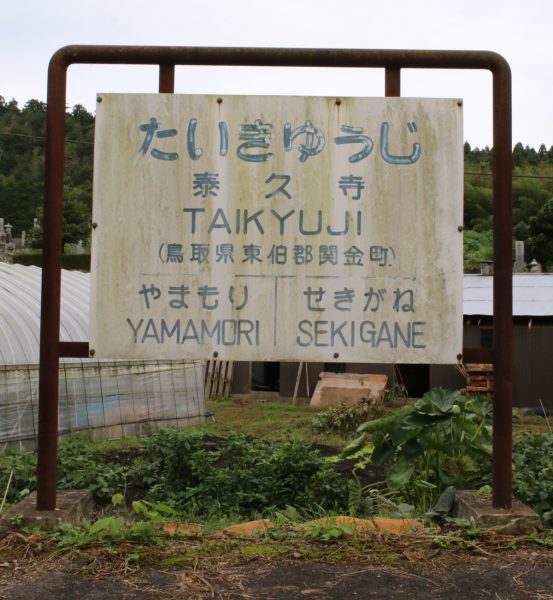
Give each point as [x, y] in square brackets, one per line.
[402, 434]
[444, 504]
[446, 478]
[442, 400]
[399, 475]
[382, 454]
[412, 449]
[418, 419]
[355, 445]
[388, 423]
[109, 524]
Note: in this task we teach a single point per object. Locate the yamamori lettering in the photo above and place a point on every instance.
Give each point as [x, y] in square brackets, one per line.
[228, 332]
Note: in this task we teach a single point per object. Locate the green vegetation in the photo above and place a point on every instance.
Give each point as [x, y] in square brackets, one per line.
[192, 475]
[275, 421]
[22, 132]
[327, 532]
[532, 204]
[345, 418]
[73, 262]
[405, 463]
[237, 475]
[533, 473]
[442, 440]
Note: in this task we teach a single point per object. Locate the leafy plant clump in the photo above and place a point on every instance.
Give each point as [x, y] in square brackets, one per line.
[18, 475]
[533, 473]
[345, 418]
[202, 476]
[193, 475]
[442, 440]
[82, 465]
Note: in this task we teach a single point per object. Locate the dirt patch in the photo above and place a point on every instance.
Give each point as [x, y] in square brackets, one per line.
[69, 586]
[484, 579]
[518, 578]
[427, 564]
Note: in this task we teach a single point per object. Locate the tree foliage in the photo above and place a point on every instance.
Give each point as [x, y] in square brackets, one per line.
[532, 204]
[22, 136]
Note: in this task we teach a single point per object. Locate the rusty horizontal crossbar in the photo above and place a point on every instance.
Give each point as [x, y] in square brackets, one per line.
[74, 350]
[477, 355]
[279, 57]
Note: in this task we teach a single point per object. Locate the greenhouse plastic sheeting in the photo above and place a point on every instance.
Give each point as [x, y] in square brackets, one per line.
[112, 400]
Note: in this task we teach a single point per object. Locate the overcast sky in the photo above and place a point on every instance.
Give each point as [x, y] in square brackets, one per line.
[32, 30]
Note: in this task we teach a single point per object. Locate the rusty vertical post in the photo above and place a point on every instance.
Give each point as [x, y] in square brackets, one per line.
[51, 288]
[392, 82]
[166, 79]
[502, 289]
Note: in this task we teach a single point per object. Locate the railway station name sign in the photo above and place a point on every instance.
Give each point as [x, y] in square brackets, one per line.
[277, 228]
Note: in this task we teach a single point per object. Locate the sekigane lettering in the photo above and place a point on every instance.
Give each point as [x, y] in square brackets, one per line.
[364, 333]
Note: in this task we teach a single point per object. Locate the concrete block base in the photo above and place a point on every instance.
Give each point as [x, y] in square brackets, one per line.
[478, 510]
[71, 507]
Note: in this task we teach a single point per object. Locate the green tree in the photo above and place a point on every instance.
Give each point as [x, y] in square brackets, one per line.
[540, 239]
[478, 246]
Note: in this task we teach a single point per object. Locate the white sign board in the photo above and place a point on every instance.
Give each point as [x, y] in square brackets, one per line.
[277, 228]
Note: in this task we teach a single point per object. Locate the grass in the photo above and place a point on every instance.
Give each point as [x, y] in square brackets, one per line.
[274, 421]
[278, 421]
[531, 424]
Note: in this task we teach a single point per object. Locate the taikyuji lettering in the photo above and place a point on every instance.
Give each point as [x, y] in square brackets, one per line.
[257, 139]
[243, 221]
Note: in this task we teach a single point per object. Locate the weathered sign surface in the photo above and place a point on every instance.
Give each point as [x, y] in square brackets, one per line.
[277, 228]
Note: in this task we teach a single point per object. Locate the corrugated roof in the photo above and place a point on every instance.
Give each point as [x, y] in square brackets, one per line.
[20, 288]
[20, 306]
[532, 295]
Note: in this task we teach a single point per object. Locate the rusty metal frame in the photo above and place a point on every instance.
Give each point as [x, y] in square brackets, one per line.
[51, 349]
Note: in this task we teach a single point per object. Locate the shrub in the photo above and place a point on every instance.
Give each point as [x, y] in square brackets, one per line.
[345, 418]
[75, 262]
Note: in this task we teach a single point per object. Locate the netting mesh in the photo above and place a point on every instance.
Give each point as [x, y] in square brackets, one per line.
[112, 400]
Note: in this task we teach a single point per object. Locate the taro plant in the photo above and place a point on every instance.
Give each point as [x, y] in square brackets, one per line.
[442, 440]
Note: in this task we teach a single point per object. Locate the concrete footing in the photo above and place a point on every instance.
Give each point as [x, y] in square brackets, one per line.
[478, 510]
[71, 507]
